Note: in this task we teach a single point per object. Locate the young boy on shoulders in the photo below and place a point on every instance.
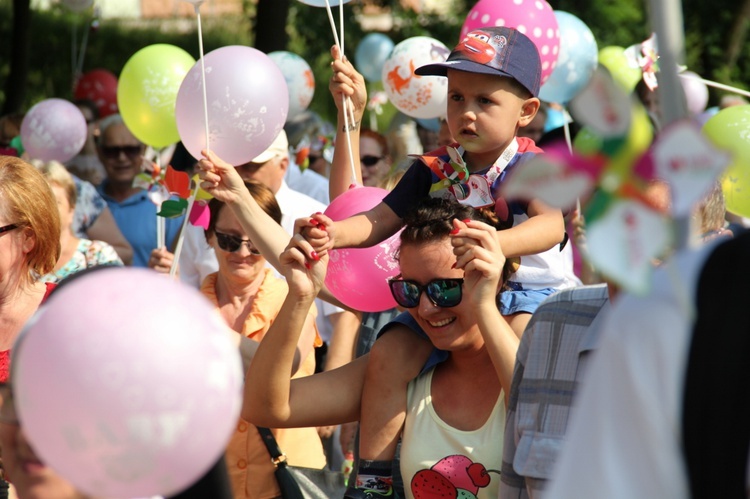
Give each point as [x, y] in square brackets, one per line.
[493, 82]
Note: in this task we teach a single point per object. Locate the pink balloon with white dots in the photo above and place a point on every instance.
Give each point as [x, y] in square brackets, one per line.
[533, 18]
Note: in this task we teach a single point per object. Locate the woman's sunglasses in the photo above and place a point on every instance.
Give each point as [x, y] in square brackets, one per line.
[113, 152]
[441, 292]
[369, 161]
[230, 243]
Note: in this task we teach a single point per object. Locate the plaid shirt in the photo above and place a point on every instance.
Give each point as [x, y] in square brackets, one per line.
[551, 361]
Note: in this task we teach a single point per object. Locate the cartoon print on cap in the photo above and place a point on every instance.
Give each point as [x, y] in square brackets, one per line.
[482, 47]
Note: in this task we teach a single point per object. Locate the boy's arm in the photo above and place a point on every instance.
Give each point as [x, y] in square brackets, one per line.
[543, 230]
[366, 229]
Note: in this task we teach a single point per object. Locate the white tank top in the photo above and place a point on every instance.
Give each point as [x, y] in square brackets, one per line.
[437, 458]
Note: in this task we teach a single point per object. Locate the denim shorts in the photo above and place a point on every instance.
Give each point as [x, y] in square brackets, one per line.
[511, 301]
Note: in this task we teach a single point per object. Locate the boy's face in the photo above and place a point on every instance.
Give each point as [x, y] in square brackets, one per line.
[484, 113]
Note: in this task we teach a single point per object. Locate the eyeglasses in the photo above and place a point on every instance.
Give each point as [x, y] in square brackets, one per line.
[7, 405]
[113, 152]
[230, 243]
[370, 161]
[8, 227]
[441, 292]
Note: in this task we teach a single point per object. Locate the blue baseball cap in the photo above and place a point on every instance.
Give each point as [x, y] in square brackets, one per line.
[496, 50]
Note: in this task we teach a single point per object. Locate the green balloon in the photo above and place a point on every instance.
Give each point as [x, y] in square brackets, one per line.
[147, 92]
[728, 130]
[613, 58]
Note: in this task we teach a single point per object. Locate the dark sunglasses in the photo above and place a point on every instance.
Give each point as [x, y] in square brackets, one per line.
[369, 161]
[230, 243]
[113, 152]
[8, 227]
[441, 292]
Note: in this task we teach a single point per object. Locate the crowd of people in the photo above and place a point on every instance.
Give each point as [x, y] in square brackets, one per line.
[470, 386]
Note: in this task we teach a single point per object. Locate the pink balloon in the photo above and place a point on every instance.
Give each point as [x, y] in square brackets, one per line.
[533, 18]
[53, 129]
[248, 103]
[696, 92]
[127, 383]
[359, 276]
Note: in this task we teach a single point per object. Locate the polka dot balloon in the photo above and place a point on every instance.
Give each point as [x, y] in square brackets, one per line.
[534, 18]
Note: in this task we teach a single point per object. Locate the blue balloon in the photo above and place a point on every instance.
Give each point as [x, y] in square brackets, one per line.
[371, 54]
[576, 61]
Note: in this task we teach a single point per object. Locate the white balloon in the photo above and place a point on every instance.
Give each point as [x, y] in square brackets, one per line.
[300, 80]
[422, 97]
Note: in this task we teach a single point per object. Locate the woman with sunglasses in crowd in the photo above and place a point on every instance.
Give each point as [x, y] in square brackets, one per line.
[451, 272]
[374, 158]
[248, 295]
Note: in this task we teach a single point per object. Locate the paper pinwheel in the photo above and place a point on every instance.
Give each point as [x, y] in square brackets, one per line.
[613, 170]
[164, 185]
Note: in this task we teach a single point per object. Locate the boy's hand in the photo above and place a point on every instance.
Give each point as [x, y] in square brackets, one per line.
[347, 82]
[319, 231]
[161, 260]
[220, 179]
[479, 254]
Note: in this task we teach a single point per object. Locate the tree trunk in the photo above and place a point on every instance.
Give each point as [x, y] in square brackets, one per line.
[15, 86]
[270, 25]
[737, 34]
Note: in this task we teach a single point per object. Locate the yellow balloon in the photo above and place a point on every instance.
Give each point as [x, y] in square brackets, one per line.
[613, 58]
[147, 92]
[729, 129]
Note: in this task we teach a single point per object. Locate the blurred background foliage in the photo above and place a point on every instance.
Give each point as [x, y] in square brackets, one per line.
[715, 34]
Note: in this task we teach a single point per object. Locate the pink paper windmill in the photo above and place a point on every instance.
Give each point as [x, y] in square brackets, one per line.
[613, 171]
[163, 186]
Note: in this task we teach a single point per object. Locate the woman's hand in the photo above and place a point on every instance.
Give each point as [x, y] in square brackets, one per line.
[479, 254]
[161, 260]
[346, 82]
[318, 230]
[303, 268]
[220, 179]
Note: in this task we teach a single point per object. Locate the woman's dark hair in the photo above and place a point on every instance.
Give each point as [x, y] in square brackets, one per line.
[432, 220]
[262, 195]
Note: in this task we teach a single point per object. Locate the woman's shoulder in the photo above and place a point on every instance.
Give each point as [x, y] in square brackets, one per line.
[98, 253]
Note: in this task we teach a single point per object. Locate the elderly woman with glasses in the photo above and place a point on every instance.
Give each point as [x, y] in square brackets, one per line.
[452, 270]
[248, 295]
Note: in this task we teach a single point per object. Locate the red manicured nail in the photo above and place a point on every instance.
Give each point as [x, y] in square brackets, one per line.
[313, 222]
[466, 220]
[317, 213]
[314, 255]
[322, 227]
[455, 231]
[307, 266]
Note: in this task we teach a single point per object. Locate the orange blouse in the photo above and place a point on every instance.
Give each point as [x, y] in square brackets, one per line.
[250, 468]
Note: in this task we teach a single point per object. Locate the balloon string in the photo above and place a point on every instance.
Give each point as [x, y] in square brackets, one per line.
[203, 74]
[717, 85]
[160, 221]
[73, 51]
[82, 52]
[345, 100]
[191, 199]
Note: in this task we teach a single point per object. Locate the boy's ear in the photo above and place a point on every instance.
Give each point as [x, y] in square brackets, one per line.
[529, 109]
